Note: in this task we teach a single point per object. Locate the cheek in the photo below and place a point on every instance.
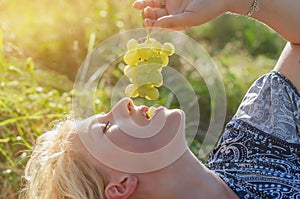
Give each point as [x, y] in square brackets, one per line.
[127, 142]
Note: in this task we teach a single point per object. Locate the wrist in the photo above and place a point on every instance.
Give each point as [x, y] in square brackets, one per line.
[226, 5]
[242, 7]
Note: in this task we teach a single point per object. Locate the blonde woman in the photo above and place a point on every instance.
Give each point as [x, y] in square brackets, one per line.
[257, 156]
[76, 160]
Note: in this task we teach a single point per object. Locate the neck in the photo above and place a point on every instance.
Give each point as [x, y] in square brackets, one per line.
[289, 63]
[186, 178]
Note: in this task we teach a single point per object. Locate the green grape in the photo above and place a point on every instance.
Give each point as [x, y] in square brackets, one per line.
[144, 52]
[168, 48]
[153, 94]
[165, 59]
[131, 58]
[155, 45]
[147, 67]
[153, 78]
[132, 73]
[127, 68]
[142, 74]
[132, 91]
[141, 80]
[142, 91]
[144, 68]
[155, 60]
[149, 92]
[132, 44]
[150, 111]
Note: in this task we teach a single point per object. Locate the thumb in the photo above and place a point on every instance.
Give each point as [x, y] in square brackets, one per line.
[182, 20]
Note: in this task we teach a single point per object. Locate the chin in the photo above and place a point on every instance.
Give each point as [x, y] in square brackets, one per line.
[177, 115]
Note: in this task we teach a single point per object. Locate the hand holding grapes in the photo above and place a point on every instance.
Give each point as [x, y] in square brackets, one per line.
[179, 14]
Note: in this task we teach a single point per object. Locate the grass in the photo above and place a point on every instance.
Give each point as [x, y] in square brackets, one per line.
[28, 105]
[42, 44]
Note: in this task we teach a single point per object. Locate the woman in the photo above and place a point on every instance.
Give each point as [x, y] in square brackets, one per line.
[76, 159]
[257, 157]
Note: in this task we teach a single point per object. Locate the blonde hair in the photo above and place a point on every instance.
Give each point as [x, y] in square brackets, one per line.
[57, 169]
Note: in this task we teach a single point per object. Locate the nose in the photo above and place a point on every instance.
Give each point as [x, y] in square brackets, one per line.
[123, 107]
[124, 110]
[133, 110]
[130, 105]
[125, 104]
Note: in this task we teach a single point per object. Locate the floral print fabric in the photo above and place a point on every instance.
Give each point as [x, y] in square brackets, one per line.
[258, 155]
[272, 105]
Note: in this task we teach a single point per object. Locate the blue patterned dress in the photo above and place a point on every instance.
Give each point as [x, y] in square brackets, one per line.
[258, 156]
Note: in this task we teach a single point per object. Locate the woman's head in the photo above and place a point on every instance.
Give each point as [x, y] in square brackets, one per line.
[127, 135]
[78, 158]
[57, 168]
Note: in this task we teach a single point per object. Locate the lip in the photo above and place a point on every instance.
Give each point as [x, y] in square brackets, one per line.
[144, 110]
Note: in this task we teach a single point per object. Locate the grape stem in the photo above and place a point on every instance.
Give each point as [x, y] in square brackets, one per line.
[148, 37]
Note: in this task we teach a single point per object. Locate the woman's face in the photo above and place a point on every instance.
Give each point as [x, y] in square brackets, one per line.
[126, 133]
[129, 127]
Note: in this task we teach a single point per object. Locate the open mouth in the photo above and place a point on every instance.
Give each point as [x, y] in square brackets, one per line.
[150, 112]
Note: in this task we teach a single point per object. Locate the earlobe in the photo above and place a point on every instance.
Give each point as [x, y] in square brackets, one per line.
[123, 189]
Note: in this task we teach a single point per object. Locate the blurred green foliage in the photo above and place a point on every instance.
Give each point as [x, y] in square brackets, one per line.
[56, 33]
[30, 99]
[40, 37]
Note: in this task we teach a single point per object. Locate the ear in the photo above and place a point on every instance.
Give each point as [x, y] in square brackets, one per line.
[122, 189]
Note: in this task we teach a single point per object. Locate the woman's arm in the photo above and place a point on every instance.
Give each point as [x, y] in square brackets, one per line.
[281, 15]
[284, 18]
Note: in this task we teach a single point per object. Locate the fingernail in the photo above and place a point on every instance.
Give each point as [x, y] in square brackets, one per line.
[148, 22]
[146, 13]
[137, 5]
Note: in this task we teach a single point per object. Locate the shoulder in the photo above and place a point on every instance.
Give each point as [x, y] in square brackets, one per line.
[272, 105]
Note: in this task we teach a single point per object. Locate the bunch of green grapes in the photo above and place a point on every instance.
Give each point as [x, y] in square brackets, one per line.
[144, 65]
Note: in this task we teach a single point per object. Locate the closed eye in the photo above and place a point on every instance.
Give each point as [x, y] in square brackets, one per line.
[106, 127]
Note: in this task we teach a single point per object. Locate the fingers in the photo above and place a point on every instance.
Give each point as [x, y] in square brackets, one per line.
[154, 14]
[142, 4]
[176, 22]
